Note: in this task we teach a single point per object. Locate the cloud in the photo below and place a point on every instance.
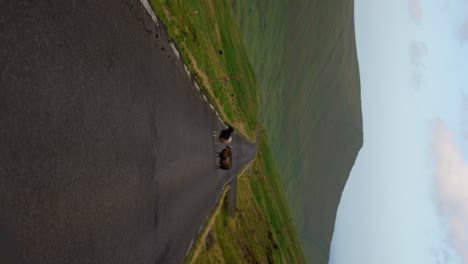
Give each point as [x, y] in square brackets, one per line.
[443, 5]
[462, 31]
[417, 51]
[443, 254]
[417, 81]
[465, 114]
[415, 10]
[452, 188]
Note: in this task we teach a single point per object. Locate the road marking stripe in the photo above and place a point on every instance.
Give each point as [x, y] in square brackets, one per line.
[150, 11]
[186, 70]
[176, 52]
[190, 247]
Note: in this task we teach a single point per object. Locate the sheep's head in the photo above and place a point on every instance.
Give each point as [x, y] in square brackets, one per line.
[228, 148]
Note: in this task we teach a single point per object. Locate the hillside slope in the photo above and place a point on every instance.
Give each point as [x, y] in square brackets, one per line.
[306, 63]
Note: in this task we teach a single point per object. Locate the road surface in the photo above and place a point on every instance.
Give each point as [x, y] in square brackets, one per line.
[106, 151]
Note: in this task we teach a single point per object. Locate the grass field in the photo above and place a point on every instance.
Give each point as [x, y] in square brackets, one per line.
[304, 55]
[211, 45]
[261, 230]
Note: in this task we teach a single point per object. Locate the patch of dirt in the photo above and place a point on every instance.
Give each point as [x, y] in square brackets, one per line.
[204, 78]
[210, 239]
[213, 14]
[209, 225]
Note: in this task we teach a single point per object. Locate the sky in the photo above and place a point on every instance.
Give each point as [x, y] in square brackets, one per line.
[406, 200]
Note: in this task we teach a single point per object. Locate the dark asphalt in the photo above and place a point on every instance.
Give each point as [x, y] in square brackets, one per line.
[106, 148]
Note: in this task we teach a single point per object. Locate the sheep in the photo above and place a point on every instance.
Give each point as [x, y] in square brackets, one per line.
[225, 158]
[225, 135]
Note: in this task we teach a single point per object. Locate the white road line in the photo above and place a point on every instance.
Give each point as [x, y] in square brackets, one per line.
[186, 70]
[212, 107]
[150, 11]
[204, 98]
[190, 247]
[176, 52]
[196, 86]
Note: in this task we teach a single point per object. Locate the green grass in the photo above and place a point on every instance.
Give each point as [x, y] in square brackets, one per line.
[261, 231]
[262, 23]
[304, 55]
[202, 31]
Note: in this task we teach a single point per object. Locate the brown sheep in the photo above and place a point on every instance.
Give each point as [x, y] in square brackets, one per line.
[225, 158]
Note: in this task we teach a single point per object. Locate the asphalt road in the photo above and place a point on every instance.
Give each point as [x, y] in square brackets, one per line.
[106, 151]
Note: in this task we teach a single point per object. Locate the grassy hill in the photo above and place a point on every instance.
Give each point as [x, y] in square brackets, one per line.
[304, 56]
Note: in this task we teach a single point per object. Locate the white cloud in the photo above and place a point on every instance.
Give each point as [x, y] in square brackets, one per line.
[465, 114]
[415, 10]
[462, 31]
[417, 81]
[452, 188]
[417, 51]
